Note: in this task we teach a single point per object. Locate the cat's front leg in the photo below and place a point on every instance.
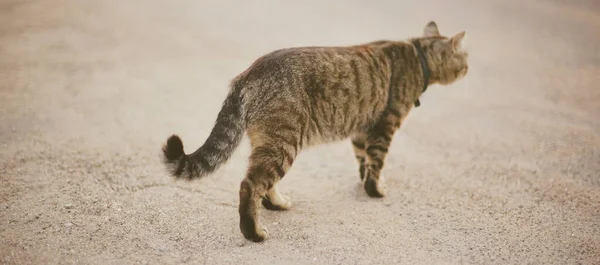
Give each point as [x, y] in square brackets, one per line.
[358, 144]
[378, 141]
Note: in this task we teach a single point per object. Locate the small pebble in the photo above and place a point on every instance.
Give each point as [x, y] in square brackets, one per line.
[68, 224]
[275, 223]
[68, 205]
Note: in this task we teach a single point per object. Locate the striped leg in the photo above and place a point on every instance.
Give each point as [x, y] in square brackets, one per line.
[377, 144]
[272, 155]
[358, 144]
[265, 170]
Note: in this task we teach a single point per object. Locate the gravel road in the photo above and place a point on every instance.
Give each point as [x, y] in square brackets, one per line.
[502, 167]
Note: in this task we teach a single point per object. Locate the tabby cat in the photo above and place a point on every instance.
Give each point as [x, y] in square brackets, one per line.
[294, 98]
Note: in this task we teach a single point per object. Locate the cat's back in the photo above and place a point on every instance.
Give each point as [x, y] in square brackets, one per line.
[297, 62]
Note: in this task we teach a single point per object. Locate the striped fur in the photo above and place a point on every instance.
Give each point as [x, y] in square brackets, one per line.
[222, 141]
[294, 98]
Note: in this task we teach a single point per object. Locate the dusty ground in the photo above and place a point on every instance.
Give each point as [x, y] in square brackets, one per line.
[500, 168]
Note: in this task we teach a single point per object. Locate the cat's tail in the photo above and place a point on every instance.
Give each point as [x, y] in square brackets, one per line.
[218, 148]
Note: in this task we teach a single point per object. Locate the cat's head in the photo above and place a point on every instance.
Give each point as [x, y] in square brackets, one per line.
[446, 57]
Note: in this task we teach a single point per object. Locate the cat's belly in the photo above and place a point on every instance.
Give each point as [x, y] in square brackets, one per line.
[320, 129]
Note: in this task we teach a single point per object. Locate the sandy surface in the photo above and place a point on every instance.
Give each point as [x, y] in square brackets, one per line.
[500, 168]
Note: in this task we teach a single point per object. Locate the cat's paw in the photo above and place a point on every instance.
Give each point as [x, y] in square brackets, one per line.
[374, 189]
[256, 235]
[281, 204]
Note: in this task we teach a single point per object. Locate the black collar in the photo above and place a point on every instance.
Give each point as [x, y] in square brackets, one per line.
[424, 67]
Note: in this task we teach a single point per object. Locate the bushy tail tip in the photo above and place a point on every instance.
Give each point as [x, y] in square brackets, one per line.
[173, 149]
[180, 165]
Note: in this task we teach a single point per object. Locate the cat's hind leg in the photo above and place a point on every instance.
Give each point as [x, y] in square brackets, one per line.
[274, 201]
[273, 152]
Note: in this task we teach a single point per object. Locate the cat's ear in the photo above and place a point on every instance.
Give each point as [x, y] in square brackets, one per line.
[457, 41]
[431, 30]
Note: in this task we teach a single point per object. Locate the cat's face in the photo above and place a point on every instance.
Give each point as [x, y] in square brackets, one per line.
[447, 57]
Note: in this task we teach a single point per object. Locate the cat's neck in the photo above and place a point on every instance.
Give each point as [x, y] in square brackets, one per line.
[408, 74]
